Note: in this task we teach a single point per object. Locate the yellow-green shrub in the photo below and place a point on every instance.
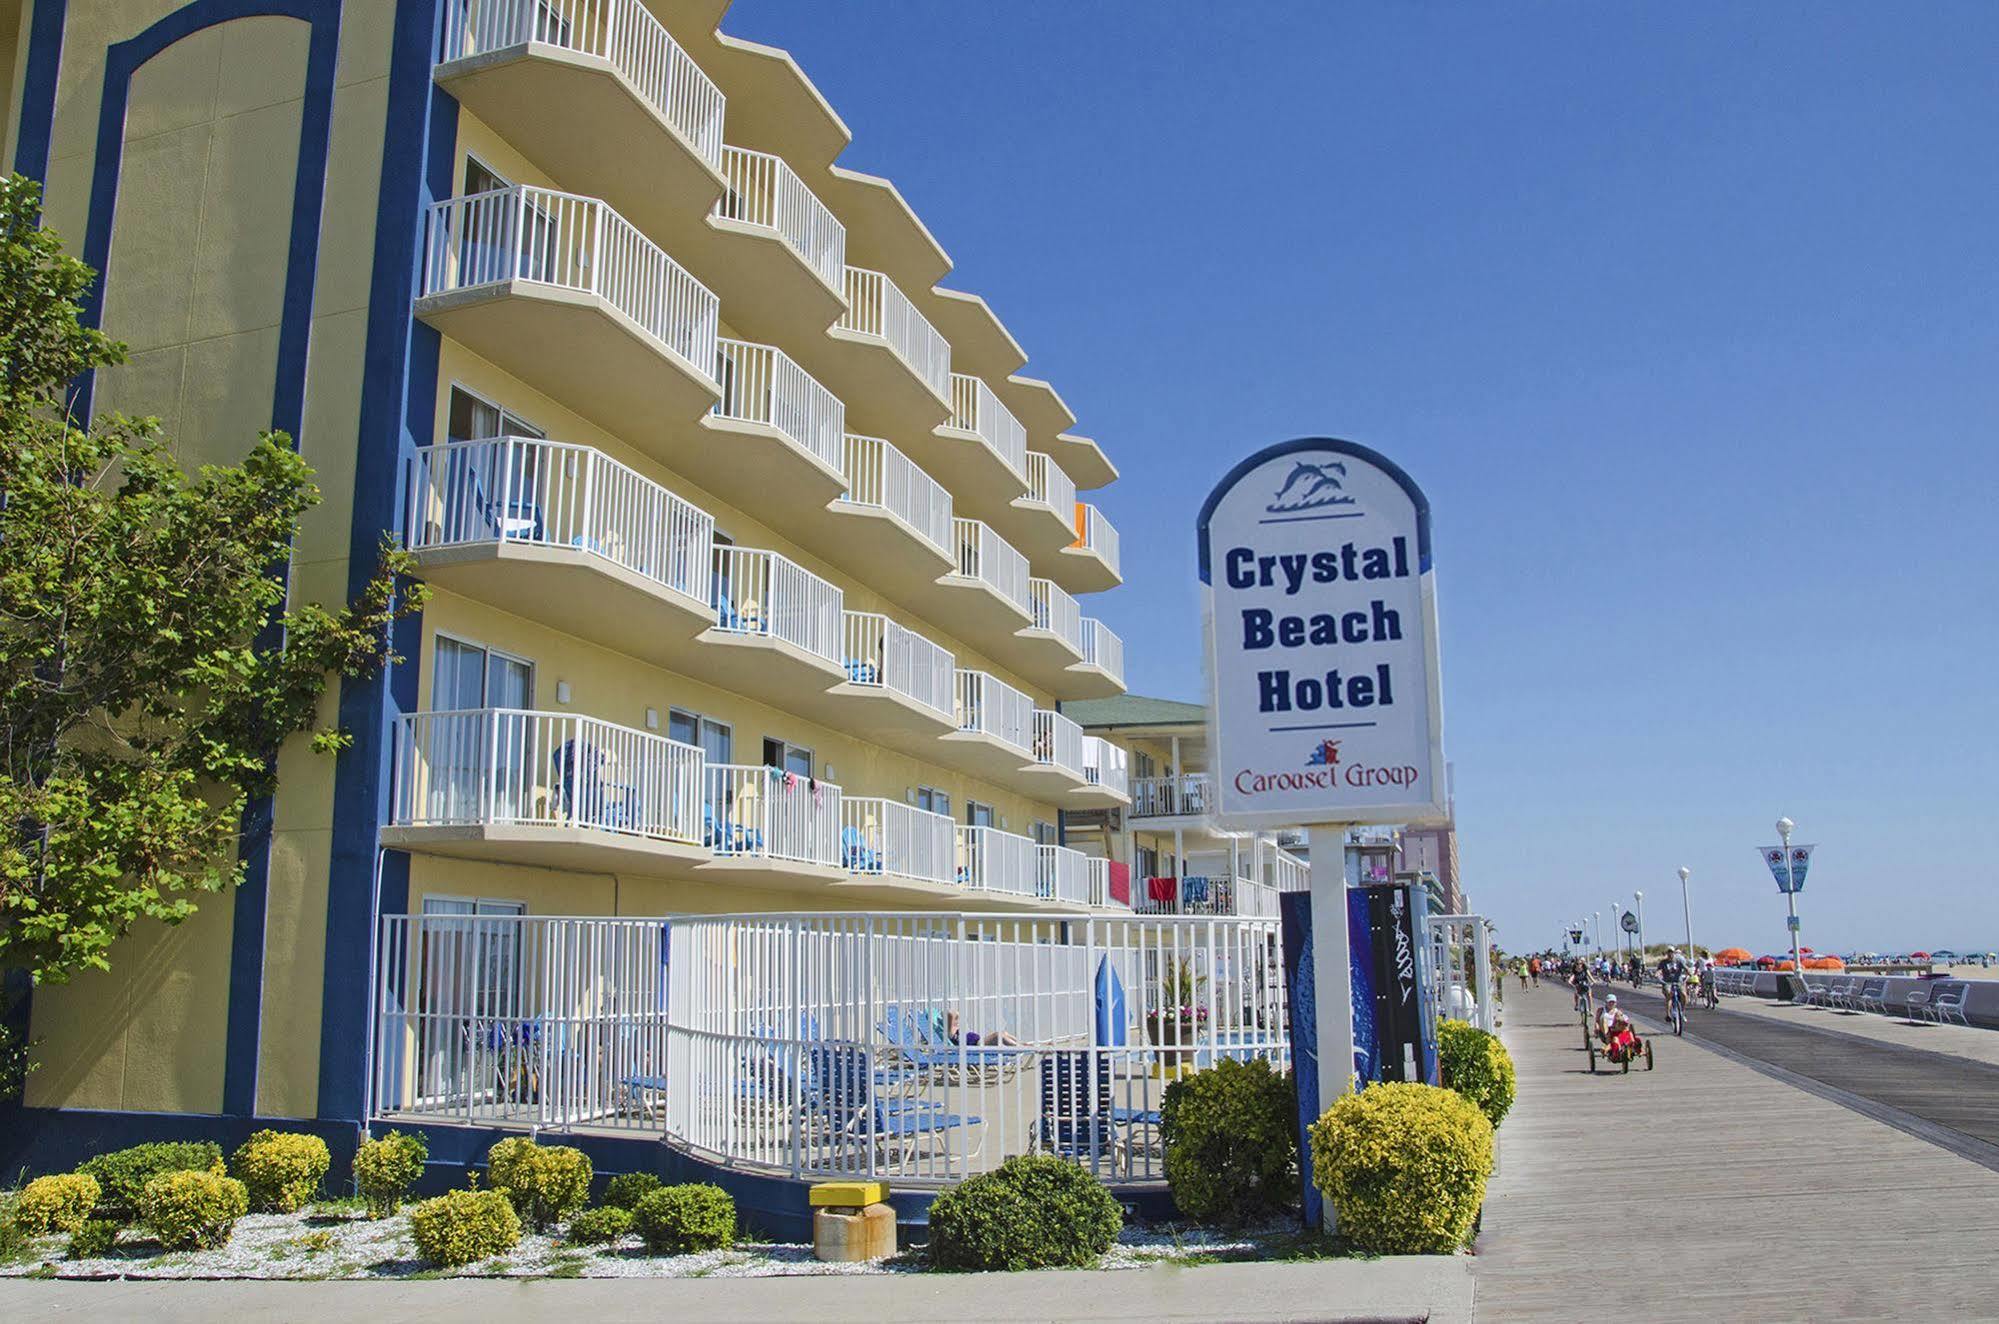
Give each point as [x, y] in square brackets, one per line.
[192, 1210]
[1405, 1167]
[460, 1227]
[386, 1167]
[598, 1227]
[1477, 1065]
[281, 1169]
[546, 1183]
[674, 1220]
[56, 1204]
[93, 1240]
[123, 1174]
[1231, 1135]
[1034, 1211]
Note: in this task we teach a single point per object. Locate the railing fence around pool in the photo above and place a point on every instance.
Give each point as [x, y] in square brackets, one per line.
[919, 1048]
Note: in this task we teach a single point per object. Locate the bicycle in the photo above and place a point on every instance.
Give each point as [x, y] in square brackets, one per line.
[1676, 1007]
[1710, 995]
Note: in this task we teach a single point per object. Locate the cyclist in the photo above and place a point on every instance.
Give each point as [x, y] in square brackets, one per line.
[1637, 970]
[1673, 974]
[1614, 1028]
[1579, 979]
[1710, 986]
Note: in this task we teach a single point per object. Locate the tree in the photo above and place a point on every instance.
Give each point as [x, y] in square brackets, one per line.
[150, 668]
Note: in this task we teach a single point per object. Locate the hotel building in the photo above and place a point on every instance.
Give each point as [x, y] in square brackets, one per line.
[761, 573]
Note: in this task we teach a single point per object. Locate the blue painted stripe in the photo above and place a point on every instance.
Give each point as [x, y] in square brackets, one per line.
[122, 61]
[38, 89]
[398, 406]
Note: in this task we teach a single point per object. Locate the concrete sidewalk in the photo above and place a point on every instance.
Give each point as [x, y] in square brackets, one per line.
[1974, 1042]
[1410, 1288]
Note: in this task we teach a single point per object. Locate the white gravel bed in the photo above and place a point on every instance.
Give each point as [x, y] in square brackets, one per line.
[348, 1245]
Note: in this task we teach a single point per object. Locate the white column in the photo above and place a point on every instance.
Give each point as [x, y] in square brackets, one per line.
[1332, 983]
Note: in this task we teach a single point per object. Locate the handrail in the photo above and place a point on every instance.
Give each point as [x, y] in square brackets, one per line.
[762, 384]
[769, 813]
[882, 837]
[1049, 484]
[975, 409]
[879, 653]
[990, 559]
[880, 475]
[990, 860]
[1058, 741]
[755, 591]
[1095, 533]
[766, 192]
[987, 705]
[876, 306]
[1102, 648]
[1056, 612]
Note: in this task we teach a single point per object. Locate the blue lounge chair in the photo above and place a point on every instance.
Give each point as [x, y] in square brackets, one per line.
[855, 852]
[844, 1098]
[1084, 1124]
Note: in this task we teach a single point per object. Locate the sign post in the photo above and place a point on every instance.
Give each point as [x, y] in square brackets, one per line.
[1325, 703]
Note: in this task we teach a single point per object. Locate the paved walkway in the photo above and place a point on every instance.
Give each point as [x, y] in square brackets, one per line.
[1416, 1288]
[1975, 1042]
[1707, 1188]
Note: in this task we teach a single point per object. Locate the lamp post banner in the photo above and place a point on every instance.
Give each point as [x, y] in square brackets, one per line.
[1789, 873]
[1325, 698]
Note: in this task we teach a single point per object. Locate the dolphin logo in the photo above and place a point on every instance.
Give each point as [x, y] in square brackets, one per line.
[1314, 485]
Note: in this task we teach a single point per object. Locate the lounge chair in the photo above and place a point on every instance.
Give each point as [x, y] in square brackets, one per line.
[1082, 1123]
[856, 854]
[844, 1106]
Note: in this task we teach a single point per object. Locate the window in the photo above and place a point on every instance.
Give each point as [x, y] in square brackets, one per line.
[472, 965]
[473, 418]
[931, 800]
[471, 675]
[978, 815]
[481, 178]
[1045, 834]
[1142, 765]
[716, 739]
[783, 754]
[1145, 861]
[478, 763]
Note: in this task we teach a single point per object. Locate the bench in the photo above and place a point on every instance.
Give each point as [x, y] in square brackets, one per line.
[1947, 1003]
[1873, 996]
[1919, 1005]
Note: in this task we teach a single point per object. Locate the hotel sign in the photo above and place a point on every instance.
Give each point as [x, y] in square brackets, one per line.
[1319, 603]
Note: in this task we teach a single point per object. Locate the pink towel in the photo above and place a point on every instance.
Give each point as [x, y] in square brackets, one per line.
[1120, 883]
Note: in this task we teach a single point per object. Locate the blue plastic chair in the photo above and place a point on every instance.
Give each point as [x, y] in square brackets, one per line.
[858, 855]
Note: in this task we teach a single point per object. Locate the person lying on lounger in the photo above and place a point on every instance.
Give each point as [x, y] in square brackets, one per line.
[973, 1039]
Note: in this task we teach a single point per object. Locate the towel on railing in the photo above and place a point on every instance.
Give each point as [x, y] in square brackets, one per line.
[1166, 890]
[1194, 890]
[1120, 883]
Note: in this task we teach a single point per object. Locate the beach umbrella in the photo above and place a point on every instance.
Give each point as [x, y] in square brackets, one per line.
[1919, 956]
[1732, 955]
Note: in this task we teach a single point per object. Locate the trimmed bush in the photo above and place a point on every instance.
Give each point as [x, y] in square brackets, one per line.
[1476, 1065]
[628, 1188]
[281, 1169]
[461, 1227]
[674, 1220]
[55, 1204]
[1404, 1166]
[93, 1239]
[546, 1183]
[123, 1174]
[1032, 1212]
[385, 1168]
[599, 1227]
[192, 1210]
[1231, 1135]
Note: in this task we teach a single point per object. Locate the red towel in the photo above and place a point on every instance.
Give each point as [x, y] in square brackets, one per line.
[1163, 889]
[1120, 883]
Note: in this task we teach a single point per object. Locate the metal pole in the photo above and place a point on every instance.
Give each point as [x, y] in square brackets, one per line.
[1686, 909]
[1639, 897]
[1791, 902]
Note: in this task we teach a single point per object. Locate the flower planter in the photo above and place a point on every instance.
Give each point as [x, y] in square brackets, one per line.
[1174, 1034]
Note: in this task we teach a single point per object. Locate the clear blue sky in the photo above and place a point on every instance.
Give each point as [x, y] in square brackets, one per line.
[1685, 316]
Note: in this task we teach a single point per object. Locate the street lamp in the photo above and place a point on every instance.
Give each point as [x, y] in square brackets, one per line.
[1597, 921]
[1785, 827]
[1639, 897]
[1687, 910]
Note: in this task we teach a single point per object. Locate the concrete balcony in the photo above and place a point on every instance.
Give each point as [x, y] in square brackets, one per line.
[1062, 875]
[895, 852]
[775, 442]
[979, 452]
[1101, 672]
[1186, 797]
[890, 529]
[897, 680]
[771, 250]
[994, 738]
[765, 827]
[1090, 563]
[563, 535]
[1107, 783]
[999, 863]
[1058, 754]
[595, 93]
[550, 789]
[1042, 523]
[1211, 896]
[777, 633]
[989, 567]
[885, 358]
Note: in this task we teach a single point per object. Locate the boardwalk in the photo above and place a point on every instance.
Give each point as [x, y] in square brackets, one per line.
[1709, 1188]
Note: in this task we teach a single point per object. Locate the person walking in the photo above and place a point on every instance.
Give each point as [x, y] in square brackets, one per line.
[1534, 970]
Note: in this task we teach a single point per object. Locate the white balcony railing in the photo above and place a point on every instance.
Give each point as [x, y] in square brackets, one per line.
[543, 237]
[1220, 895]
[1288, 873]
[1103, 649]
[761, 592]
[522, 489]
[990, 860]
[487, 766]
[876, 306]
[622, 33]
[767, 813]
[1058, 742]
[1106, 765]
[1056, 612]
[881, 654]
[1169, 797]
[1048, 484]
[974, 408]
[763, 191]
[761, 384]
[1097, 534]
[1061, 874]
[880, 475]
[886, 838]
[988, 706]
[1099, 873]
[991, 560]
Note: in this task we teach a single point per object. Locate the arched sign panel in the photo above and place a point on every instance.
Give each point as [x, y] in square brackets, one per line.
[1324, 697]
